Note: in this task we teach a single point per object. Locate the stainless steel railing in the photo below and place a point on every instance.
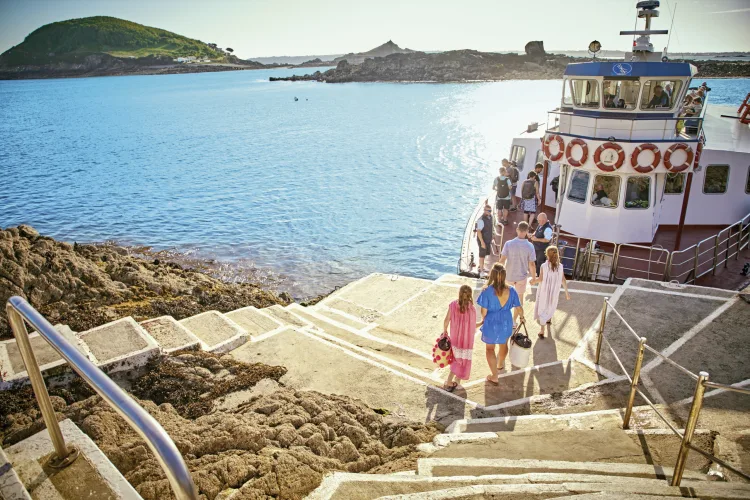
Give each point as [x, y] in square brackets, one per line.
[21, 312]
[702, 382]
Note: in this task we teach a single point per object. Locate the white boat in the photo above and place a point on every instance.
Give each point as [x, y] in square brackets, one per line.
[676, 177]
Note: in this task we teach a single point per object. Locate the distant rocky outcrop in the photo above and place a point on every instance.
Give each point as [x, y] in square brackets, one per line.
[88, 285]
[535, 49]
[314, 63]
[384, 50]
[452, 66]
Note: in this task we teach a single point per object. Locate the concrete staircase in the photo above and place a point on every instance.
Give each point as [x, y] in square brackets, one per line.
[372, 340]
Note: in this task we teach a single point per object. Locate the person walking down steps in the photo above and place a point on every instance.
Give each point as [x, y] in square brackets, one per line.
[551, 276]
[498, 301]
[462, 320]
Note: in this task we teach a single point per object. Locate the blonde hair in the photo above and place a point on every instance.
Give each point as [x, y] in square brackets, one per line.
[553, 257]
[497, 279]
[465, 298]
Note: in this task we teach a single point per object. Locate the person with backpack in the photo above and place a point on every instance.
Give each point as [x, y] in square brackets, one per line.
[530, 197]
[514, 175]
[502, 187]
[555, 183]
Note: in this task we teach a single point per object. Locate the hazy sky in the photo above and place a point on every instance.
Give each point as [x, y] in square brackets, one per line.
[257, 28]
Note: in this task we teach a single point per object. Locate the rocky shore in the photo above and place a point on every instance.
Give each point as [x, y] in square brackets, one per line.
[237, 426]
[472, 65]
[107, 65]
[84, 286]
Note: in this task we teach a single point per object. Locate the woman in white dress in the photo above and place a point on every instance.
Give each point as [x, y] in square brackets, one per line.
[551, 276]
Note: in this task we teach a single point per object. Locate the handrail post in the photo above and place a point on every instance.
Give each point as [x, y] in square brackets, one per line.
[692, 420]
[716, 254]
[601, 329]
[697, 259]
[668, 267]
[64, 455]
[634, 383]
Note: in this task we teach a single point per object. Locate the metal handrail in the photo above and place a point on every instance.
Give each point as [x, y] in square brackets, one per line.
[702, 383]
[157, 439]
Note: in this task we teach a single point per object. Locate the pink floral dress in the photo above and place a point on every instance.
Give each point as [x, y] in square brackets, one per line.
[462, 329]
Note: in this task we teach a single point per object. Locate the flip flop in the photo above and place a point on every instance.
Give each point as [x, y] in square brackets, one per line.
[452, 387]
[491, 381]
[541, 336]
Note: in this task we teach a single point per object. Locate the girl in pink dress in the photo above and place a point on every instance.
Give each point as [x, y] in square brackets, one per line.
[462, 318]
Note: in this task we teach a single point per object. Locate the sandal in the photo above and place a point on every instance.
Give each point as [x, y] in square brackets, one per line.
[451, 388]
[491, 381]
[540, 335]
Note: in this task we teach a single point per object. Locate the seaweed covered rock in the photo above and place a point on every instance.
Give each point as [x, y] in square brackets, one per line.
[87, 285]
[243, 430]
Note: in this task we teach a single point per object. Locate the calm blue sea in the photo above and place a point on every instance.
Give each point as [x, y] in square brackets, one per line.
[348, 180]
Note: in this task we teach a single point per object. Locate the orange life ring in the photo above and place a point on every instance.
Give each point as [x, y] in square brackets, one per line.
[584, 152]
[668, 157]
[645, 169]
[698, 152]
[560, 143]
[598, 156]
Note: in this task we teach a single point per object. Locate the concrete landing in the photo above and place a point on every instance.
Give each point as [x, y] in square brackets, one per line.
[313, 363]
[216, 332]
[91, 477]
[285, 316]
[170, 334]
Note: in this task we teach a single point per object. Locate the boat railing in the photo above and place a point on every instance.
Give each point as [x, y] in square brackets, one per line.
[583, 260]
[167, 455]
[708, 255]
[680, 128]
[701, 384]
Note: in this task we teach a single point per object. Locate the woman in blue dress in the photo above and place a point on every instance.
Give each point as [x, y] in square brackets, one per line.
[496, 303]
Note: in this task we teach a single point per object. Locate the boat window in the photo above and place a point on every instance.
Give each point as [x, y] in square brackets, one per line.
[637, 191]
[660, 94]
[579, 186]
[606, 191]
[567, 93]
[539, 157]
[674, 183]
[586, 93]
[716, 179]
[621, 94]
[518, 155]
[747, 182]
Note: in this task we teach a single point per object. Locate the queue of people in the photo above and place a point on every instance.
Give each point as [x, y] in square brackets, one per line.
[527, 258]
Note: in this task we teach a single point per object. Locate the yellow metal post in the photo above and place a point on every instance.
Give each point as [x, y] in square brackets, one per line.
[634, 383]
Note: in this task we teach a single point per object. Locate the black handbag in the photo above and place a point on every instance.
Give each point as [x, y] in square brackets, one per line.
[521, 339]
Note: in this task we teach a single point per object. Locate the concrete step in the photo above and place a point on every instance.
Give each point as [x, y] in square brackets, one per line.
[349, 486]
[121, 345]
[410, 360]
[643, 418]
[91, 477]
[285, 316]
[655, 447]
[12, 369]
[216, 332]
[254, 321]
[484, 466]
[606, 489]
[170, 334]
[340, 317]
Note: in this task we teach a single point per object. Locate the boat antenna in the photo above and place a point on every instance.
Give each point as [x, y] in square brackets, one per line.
[674, 14]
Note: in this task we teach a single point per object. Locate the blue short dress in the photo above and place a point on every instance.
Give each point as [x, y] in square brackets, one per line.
[498, 323]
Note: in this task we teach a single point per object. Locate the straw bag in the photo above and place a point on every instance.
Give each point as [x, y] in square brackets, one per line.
[520, 346]
[442, 353]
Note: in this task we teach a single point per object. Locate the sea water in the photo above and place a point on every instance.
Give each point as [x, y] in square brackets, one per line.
[344, 180]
